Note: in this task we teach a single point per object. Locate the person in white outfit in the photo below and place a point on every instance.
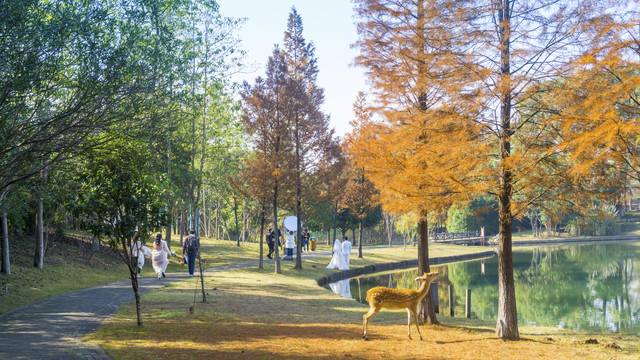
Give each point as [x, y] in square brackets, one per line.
[160, 256]
[341, 287]
[290, 244]
[145, 253]
[138, 253]
[346, 251]
[337, 260]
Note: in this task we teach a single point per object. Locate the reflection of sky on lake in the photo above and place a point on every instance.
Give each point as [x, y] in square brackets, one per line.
[591, 287]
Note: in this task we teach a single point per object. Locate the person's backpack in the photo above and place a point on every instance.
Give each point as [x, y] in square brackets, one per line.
[192, 244]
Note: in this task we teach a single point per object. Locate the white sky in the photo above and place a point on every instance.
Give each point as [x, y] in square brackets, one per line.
[329, 24]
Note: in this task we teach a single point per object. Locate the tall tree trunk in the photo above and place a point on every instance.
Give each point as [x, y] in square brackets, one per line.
[390, 222]
[181, 226]
[426, 308]
[360, 242]
[262, 221]
[235, 212]
[245, 232]
[6, 263]
[167, 237]
[330, 240]
[335, 229]
[168, 231]
[298, 232]
[133, 275]
[136, 293]
[507, 322]
[204, 213]
[276, 255]
[38, 258]
[217, 219]
[353, 236]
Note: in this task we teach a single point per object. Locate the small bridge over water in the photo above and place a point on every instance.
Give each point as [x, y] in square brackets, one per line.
[475, 238]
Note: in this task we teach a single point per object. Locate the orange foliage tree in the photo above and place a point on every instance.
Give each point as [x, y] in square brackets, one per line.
[293, 141]
[360, 197]
[263, 118]
[418, 154]
[454, 83]
[597, 103]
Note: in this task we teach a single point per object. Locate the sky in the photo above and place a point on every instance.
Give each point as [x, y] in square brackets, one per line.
[329, 24]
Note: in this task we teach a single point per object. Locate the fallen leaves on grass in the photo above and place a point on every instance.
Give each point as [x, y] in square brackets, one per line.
[223, 339]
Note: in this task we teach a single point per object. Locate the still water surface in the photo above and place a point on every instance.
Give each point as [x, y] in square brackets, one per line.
[591, 287]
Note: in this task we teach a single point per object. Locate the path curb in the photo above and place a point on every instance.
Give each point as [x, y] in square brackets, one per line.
[369, 269]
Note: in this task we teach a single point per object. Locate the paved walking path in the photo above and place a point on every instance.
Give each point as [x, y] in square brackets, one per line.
[52, 328]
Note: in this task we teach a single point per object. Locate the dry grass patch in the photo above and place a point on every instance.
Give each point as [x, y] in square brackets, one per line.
[209, 338]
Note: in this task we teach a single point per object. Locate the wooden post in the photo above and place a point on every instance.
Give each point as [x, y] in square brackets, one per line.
[6, 264]
[467, 306]
[451, 302]
[434, 292]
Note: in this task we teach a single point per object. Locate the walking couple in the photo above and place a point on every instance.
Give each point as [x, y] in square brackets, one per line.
[341, 252]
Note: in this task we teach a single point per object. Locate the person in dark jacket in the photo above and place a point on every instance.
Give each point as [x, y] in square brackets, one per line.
[271, 243]
[191, 246]
[305, 239]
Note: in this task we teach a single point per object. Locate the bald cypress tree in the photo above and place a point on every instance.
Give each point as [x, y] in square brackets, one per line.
[311, 136]
[263, 118]
[458, 85]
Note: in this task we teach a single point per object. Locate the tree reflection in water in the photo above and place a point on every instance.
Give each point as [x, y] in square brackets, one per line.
[590, 287]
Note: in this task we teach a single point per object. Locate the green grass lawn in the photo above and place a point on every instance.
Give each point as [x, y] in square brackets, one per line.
[63, 271]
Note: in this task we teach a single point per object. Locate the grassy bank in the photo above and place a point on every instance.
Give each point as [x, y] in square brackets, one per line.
[629, 225]
[253, 313]
[66, 270]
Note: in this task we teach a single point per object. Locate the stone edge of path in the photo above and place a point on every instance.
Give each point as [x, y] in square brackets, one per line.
[369, 269]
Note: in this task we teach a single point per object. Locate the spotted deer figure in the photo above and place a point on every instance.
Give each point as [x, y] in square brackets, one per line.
[382, 297]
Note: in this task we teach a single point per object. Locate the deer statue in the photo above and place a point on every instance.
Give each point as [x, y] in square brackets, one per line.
[382, 297]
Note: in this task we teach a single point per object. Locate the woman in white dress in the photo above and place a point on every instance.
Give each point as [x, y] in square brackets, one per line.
[139, 252]
[342, 288]
[337, 260]
[160, 256]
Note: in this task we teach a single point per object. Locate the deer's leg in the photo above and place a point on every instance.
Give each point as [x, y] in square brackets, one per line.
[409, 322]
[365, 319]
[415, 317]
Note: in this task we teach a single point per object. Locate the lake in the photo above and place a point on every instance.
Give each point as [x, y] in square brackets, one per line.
[590, 287]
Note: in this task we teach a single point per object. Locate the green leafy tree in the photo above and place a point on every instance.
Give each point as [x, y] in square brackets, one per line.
[116, 197]
[481, 212]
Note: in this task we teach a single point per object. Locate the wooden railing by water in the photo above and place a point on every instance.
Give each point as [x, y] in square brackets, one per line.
[460, 238]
